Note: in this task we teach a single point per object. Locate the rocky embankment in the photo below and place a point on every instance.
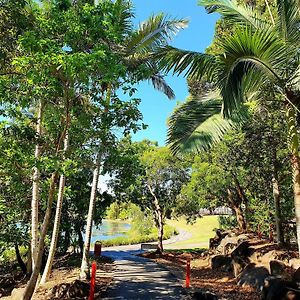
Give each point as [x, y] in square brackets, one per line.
[272, 270]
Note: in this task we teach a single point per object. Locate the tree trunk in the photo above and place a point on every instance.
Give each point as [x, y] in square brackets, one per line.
[240, 218]
[67, 240]
[80, 239]
[160, 234]
[55, 233]
[238, 212]
[160, 221]
[36, 270]
[293, 140]
[276, 196]
[29, 261]
[20, 260]
[85, 267]
[295, 160]
[36, 186]
[242, 196]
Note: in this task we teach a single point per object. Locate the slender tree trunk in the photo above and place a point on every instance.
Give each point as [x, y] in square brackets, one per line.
[20, 260]
[36, 186]
[160, 233]
[29, 261]
[295, 162]
[240, 218]
[238, 212]
[55, 233]
[85, 267]
[276, 196]
[160, 221]
[243, 199]
[67, 240]
[80, 239]
[36, 270]
[31, 284]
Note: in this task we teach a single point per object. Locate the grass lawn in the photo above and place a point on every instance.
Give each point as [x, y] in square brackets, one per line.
[201, 231]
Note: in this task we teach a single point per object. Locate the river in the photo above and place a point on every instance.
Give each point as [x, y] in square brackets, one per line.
[109, 229]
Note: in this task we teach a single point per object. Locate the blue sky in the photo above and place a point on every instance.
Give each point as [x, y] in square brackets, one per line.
[155, 106]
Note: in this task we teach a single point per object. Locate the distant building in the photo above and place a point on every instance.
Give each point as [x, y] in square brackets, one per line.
[221, 210]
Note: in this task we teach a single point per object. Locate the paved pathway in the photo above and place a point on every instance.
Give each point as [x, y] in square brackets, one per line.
[139, 278]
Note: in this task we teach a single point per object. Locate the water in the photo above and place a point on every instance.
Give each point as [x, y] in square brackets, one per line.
[109, 230]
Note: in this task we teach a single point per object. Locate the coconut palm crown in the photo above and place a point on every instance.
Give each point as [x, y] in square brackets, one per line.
[261, 54]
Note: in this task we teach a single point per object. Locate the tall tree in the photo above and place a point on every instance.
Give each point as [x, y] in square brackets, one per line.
[135, 48]
[253, 59]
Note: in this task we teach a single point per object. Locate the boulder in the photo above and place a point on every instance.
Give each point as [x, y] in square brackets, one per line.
[277, 268]
[16, 294]
[216, 240]
[221, 262]
[227, 244]
[200, 295]
[73, 290]
[278, 289]
[294, 263]
[254, 276]
[296, 276]
[240, 257]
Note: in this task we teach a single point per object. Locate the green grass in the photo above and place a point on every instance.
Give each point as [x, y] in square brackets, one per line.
[202, 230]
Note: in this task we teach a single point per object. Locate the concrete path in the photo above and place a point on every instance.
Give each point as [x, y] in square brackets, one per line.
[139, 278]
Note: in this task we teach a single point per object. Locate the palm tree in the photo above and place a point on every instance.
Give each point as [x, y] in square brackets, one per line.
[136, 51]
[261, 54]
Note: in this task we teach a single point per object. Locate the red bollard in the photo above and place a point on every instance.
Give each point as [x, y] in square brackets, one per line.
[188, 273]
[93, 280]
[97, 248]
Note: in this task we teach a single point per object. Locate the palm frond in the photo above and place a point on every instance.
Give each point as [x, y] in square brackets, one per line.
[289, 20]
[160, 84]
[153, 33]
[192, 64]
[257, 55]
[196, 125]
[236, 13]
[124, 14]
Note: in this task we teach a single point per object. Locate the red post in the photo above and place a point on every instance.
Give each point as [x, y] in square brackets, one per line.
[93, 280]
[188, 273]
[97, 248]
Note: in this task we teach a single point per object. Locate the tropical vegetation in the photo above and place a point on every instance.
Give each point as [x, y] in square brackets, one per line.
[69, 73]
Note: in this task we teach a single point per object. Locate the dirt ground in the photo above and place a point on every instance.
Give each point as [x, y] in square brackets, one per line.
[63, 282]
[202, 277]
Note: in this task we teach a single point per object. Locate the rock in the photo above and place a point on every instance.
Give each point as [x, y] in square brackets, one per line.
[294, 263]
[296, 276]
[278, 289]
[16, 294]
[227, 245]
[276, 267]
[199, 295]
[216, 240]
[254, 276]
[70, 290]
[242, 250]
[221, 262]
[240, 257]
